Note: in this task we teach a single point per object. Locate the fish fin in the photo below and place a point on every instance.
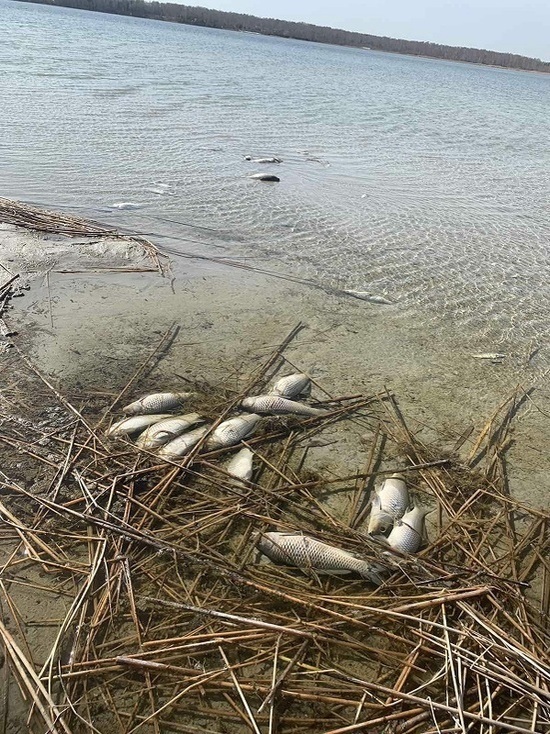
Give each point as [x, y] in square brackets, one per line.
[373, 573]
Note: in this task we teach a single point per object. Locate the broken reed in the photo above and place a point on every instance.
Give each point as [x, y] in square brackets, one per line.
[20, 214]
[172, 625]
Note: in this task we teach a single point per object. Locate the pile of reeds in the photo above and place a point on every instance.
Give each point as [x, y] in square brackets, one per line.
[20, 214]
[173, 624]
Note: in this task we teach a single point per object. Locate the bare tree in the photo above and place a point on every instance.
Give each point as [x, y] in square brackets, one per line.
[193, 15]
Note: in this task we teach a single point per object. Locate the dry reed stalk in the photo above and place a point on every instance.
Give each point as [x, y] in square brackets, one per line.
[24, 215]
[53, 718]
[176, 587]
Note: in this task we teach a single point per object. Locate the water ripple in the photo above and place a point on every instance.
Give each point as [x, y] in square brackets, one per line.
[423, 180]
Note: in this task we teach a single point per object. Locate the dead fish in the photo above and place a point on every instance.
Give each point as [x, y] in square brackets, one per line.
[137, 423]
[231, 431]
[156, 402]
[265, 177]
[291, 386]
[182, 444]
[364, 296]
[163, 432]
[489, 355]
[271, 159]
[389, 504]
[240, 465]
[295, 549]
[126, 205]
[275, 405]
[407, 533]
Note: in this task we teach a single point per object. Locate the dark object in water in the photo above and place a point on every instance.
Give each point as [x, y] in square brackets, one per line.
[265, 177]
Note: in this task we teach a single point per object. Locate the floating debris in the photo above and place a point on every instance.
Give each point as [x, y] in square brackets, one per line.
[265, 177]
[271, 159]
[126, 205]
[370, 297]
[490, 355]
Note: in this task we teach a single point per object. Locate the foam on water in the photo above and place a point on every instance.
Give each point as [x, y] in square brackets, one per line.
[425, 181]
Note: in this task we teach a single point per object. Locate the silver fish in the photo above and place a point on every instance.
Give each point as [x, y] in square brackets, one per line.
[232, 431]
[163, 432]
[137, 423]
[275, 405]
[371, 298]
[240, 465]
[157, 402]
[295, 549]
[489, 355]
[408, 533]
[182, 444]
[291, 386]
[265, 177]
[271, 159]
[389, 504]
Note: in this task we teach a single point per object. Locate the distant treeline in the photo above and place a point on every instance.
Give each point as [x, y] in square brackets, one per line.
[302, 31]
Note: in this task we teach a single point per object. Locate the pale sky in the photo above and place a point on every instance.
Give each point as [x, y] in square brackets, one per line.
[514, 26]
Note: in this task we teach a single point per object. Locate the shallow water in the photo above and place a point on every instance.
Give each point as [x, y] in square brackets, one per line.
[423, 180]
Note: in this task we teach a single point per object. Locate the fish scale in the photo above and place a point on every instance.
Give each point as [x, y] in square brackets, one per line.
[278, 406]
[231, 431]
[304, 552]
[135, 424]
[166, 430]
[182, 444]
[389, 504]
[407, 533]
[159, 402]
[240, 465]
[291, 386]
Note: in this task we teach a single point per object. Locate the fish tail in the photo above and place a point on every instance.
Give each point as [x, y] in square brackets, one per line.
[372, 572]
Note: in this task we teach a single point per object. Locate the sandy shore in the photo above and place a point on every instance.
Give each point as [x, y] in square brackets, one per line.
[90, 330]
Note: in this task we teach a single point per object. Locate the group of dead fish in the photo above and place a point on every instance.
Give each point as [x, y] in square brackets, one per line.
[393, 520]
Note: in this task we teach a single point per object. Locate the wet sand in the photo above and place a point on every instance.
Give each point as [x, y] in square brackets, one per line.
[90, 330]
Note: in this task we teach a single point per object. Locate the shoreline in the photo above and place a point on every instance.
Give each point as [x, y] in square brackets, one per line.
[51, 3]
[86, 325]
[91, 326]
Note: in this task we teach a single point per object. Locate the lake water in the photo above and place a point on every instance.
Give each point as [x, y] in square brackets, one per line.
[423, 180]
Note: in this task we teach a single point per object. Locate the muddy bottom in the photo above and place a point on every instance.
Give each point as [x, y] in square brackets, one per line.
[91, 330]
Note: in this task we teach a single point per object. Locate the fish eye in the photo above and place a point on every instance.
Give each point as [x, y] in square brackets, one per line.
[382, 528]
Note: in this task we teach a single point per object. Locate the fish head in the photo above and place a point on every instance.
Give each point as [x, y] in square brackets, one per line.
[263, 542]
[380, 523]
